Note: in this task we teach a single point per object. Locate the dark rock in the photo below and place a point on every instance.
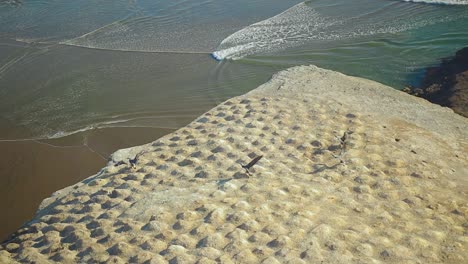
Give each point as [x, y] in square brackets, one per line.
[447, 84]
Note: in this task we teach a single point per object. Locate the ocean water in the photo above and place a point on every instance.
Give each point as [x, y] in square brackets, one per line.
[68, 66]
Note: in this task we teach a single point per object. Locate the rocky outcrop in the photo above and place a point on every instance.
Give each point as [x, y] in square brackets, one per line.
[447, 84]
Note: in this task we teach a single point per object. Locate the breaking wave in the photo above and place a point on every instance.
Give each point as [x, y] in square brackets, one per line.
[443, 2]
[316, 21]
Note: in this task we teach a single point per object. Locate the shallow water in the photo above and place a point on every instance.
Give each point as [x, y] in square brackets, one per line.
[80, 79]
[69, 66]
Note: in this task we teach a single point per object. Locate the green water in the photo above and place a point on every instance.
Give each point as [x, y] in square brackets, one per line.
[389, 42]
[68, 66]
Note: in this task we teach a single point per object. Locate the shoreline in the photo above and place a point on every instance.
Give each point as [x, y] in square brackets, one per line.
[352, 170]
[33, 169]
[447, 83]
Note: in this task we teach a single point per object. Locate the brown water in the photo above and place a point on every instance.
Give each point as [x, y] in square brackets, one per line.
[59, 122]
[32, 170]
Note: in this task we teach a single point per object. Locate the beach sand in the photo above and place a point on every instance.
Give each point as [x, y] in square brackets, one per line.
[352, 172]
[32, 170]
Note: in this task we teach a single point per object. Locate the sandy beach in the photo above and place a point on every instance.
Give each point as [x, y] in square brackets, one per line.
[352, 171]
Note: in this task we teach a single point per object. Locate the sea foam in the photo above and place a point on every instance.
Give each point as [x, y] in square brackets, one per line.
[313, 22]
[443, 2]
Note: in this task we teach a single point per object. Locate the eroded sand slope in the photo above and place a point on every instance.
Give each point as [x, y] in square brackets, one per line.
[352, 172]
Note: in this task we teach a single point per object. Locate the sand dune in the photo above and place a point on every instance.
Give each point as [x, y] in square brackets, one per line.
[352, 172]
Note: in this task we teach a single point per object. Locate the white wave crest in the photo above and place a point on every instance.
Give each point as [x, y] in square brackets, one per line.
[312, 22]
[443, 2]
[285, 29]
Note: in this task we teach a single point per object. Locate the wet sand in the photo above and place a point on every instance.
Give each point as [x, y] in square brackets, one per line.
[31, 171]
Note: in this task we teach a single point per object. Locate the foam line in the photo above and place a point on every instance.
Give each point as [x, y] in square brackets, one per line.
[139, 51]
[440, 2]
